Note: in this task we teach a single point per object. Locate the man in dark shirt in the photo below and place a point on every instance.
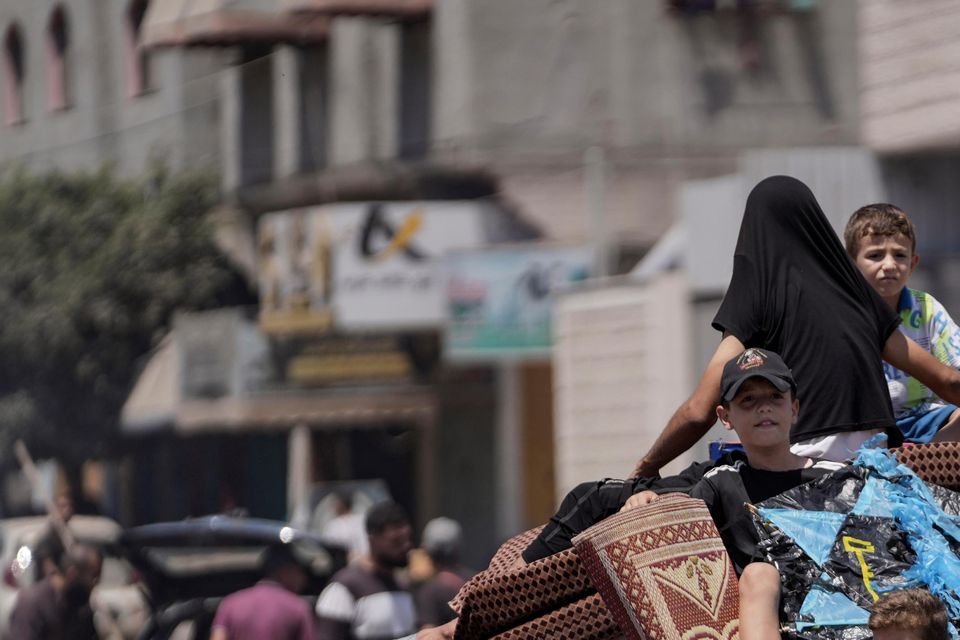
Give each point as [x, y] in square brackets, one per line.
[758, 402]
[441, 541]
[366, 600]
[58, 607]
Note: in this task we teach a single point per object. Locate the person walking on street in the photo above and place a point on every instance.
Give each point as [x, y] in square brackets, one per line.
[366, 600]
[58, 606]
[271, 608]
[441, 540]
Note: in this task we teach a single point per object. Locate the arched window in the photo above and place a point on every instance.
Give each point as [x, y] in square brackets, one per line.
[13, 75]
[58, 41]
[138, 61]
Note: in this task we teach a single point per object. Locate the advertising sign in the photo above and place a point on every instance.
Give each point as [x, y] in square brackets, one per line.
[500, 302]
[363, 266]
[388, 272]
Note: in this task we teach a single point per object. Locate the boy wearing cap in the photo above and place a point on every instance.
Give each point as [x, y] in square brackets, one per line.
[758, 403]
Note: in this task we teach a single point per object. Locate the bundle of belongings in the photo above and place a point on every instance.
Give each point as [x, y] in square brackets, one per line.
[661, 572]
[843, 540]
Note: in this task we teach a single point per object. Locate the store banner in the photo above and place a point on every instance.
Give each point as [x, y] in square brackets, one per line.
[500, 301]
[362, 266]
[221, 354]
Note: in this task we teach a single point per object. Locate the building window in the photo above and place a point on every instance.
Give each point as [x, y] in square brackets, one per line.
[314, 85]
[138, 60]
[13, 76]
[415, 89]
[58, 94]
[256, 115]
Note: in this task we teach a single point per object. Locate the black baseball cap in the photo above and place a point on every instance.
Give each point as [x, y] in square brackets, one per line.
[755, 363]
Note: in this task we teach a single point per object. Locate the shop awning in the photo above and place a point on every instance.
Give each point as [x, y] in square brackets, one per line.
[152, 405]
[157, 403]
[184, 23]
[377, 8]
[316, 409]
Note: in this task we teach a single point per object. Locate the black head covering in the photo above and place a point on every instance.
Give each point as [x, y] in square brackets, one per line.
[795, 291]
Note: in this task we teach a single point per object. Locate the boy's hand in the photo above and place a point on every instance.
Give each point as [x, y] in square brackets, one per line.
[639, 499]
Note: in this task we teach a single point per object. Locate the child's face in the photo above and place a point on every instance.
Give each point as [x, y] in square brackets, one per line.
[761, 414]
[886, 262]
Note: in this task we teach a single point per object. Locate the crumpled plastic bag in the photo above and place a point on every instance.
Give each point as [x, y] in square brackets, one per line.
[843, 540]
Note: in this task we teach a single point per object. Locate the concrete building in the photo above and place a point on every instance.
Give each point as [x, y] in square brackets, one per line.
[904, 151]
[909, 78]
[79, 91]
[581, 121]
[572, 121]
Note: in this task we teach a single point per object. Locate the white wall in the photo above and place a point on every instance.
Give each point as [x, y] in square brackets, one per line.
[622, 366]
[910, 70]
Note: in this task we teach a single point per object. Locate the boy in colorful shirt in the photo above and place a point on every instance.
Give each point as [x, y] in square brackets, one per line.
[881, 240]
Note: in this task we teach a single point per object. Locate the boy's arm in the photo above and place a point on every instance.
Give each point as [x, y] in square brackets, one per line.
[908, 356]
[695, 416]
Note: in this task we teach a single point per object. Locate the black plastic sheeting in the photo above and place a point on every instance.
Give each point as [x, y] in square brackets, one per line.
[891, 553]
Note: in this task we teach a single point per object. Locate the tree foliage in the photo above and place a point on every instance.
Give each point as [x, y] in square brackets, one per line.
[92, 268]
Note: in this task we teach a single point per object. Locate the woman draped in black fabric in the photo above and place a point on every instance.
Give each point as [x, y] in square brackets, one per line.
[795, 291]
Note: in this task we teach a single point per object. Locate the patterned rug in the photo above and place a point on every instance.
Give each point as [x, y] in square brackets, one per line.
[549, 598]
[663, 572]
[661, 569]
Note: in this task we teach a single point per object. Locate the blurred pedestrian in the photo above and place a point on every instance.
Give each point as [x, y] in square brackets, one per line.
[346, 529]
[49, 549]
[441, 540]
[366, 599]
[58, 606]
[271, 608]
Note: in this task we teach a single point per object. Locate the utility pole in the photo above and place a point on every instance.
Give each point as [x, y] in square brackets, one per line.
[595, 207]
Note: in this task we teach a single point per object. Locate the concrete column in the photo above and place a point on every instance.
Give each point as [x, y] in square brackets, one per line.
[508, 447]
[363, 99]
[385, 94]
[349, 101]
[230, 90]
[286, 112]
[299, 458]
[454, 75]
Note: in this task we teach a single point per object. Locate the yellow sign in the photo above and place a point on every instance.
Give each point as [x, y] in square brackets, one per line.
[860, 548]
[310, 369]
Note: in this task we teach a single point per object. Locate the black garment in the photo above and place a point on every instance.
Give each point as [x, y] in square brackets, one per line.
[42, 614]
[795, 291]
[591, 502]
[725, 489]
[434, 595]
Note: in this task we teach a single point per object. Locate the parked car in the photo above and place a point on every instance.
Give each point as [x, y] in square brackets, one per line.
[190, 565]
[118, 602]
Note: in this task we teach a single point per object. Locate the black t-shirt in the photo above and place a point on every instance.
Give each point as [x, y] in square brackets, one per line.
[433, 597]
[40, 612]
[795, 291]
[725, 490]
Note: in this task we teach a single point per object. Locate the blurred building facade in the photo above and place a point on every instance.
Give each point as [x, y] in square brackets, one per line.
[79, 91]
[908, 69]
[606, 125]
[575, 122]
